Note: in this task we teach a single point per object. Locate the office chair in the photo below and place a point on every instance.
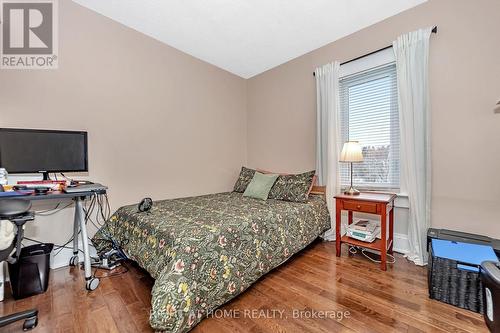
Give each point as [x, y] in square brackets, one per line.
[17, 212]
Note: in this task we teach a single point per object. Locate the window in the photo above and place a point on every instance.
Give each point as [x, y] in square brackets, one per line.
[369, 114]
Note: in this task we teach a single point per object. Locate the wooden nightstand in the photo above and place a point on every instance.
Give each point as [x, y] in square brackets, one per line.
[381, 204]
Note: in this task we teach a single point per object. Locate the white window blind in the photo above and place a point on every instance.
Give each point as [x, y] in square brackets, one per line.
[369, 114]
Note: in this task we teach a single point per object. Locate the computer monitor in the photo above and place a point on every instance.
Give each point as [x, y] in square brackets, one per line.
[43, 151]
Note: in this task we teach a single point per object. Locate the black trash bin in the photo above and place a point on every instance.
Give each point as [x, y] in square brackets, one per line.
[30, 274]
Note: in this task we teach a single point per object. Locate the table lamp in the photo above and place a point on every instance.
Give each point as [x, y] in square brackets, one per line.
[351, 152]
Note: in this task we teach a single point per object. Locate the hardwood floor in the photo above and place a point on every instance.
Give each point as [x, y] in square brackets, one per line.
[352, 293]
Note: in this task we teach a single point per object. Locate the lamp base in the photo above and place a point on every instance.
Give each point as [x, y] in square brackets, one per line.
[351, 191]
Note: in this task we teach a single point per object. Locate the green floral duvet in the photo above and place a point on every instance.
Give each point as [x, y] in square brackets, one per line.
[203, 251]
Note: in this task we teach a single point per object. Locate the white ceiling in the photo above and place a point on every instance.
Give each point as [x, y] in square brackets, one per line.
[248, 37]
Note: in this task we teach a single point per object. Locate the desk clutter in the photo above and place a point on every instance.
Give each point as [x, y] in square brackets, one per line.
[41, 187]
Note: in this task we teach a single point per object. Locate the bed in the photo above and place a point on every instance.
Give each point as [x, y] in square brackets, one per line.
[203, 251]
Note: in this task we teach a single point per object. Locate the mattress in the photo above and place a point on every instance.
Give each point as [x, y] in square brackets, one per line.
[203, 251]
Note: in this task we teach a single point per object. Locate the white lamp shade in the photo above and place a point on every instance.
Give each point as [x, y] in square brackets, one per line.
[351, 152]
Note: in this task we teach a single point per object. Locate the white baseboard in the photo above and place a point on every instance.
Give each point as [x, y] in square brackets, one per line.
[61, 259]
[401, 244]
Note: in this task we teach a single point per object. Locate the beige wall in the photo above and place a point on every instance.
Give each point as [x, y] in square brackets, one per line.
[164, 124]
[465, 85]
[161, 123]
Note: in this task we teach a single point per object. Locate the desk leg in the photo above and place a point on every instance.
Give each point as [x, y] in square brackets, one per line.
[91, 283]
[383, 234]
[74, 260]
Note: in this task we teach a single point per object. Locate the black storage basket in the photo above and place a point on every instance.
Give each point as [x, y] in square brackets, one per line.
[30, 274]
[452, 285]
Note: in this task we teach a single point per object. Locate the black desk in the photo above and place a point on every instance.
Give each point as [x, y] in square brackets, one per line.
[91, 283]
[56, 195]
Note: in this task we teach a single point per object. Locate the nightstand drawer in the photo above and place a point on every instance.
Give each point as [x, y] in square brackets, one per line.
[366, 207]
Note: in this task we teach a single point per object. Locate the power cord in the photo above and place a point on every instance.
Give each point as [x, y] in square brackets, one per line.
[52, 211]
[99, 208]
[62, 174]
[97, 211]
[121, 270]
[57, 246]
[355, 249]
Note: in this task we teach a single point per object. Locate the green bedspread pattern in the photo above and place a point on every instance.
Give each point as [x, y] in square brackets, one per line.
[203, 251]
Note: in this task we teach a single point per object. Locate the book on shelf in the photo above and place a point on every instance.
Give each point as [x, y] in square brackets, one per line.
[364, 225]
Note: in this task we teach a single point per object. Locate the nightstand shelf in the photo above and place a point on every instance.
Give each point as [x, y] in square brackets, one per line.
[381, 204]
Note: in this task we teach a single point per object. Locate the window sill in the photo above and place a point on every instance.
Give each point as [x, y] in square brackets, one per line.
[402, 201]
[380, 190]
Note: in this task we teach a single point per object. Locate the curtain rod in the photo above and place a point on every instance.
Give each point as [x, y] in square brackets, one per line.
[434, 30]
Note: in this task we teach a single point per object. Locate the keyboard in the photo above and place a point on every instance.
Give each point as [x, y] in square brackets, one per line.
[96, 187]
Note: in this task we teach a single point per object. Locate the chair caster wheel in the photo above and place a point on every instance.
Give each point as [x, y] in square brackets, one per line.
[74, 260]
[92, 284]
[30, 323]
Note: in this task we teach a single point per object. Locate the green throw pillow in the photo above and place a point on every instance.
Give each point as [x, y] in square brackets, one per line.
[260, 185]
